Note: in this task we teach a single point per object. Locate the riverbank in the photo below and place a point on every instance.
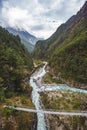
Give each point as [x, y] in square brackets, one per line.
[57, 97]
[50, 83]
[51, 77]
[15, 120]
[65, 101]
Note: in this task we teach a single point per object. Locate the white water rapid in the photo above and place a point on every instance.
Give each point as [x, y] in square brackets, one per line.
[41, 124]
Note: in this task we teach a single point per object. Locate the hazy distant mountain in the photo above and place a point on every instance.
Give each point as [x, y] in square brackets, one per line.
[27, 39]
[23, 35]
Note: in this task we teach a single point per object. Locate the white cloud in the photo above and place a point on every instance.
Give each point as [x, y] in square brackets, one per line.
[15, 15]
[39, 17]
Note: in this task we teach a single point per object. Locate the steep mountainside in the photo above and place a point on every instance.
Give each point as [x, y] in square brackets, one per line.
[15, 67]
[15, 61]
[66, 49]
[26, 38]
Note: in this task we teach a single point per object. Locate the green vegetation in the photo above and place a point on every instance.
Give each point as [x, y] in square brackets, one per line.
[37, 62]
[15, 62]
[65, 101]
[48, 78]
[66, 49]
[71, 60]
[28, 45]
[7, 111]
[16, 65]
[16, 120]
[67, 123]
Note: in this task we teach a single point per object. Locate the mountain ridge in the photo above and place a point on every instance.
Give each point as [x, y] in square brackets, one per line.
[63, 27]
[26, 38]
[66, 49]
[23, 34]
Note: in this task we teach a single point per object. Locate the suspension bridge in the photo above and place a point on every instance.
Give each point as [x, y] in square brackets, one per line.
[79, 113]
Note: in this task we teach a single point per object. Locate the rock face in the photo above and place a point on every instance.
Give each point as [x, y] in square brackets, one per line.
[66, 49]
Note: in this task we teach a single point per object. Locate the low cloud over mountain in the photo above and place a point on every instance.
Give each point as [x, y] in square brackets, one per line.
[34, 16]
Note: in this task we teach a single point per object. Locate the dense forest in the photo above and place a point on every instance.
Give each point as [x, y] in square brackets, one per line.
[15, 66]
[66, 49]
[15, 61]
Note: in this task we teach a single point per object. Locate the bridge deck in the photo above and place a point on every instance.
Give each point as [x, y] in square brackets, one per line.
[52, 112]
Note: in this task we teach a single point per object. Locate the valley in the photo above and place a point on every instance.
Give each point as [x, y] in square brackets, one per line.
[66, 54]
[48, 100]
[66, 50]
[43, 83]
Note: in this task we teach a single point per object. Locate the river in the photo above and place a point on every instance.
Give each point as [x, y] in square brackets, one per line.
[41, 124]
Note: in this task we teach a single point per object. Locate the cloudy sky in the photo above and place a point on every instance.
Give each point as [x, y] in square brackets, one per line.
[39, 17]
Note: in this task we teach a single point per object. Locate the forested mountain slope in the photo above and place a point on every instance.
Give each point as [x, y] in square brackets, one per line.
[15, 67]
[15, 61]
[66, 49]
